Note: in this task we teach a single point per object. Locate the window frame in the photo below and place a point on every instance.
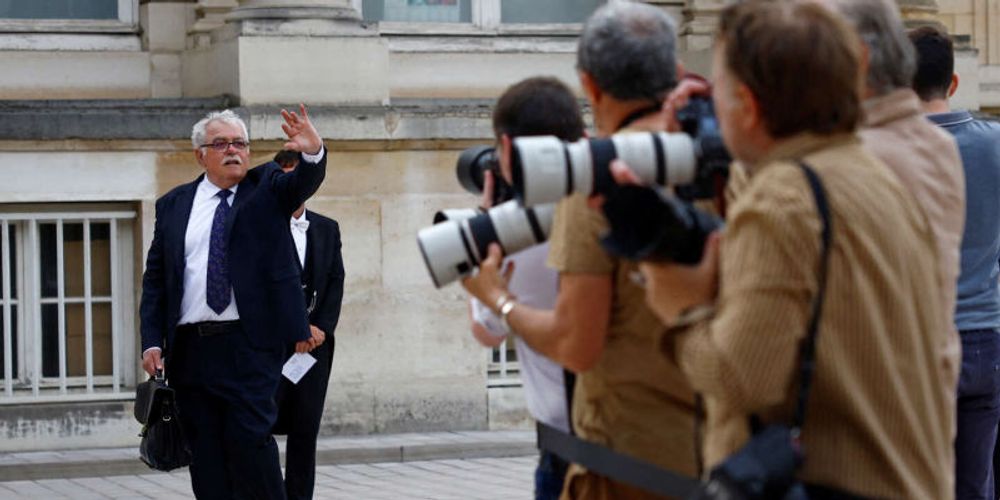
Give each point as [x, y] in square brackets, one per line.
[28, 384]
[127, 23]
[501, 371]
[486, 21]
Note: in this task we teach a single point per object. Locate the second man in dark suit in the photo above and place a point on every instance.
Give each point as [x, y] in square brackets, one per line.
[300, 406]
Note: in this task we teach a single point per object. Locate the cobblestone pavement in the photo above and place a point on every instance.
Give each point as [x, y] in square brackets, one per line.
[482, 478]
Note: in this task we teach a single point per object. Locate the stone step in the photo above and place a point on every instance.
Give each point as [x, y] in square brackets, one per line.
[329, 451]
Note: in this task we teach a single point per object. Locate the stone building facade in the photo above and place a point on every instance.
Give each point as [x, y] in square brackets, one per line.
[98, 100]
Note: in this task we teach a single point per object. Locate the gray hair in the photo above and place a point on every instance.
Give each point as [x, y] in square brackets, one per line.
[892, 60]
[225, 116]
[628, 49]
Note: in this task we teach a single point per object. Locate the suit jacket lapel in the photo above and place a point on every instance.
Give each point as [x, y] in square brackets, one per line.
[315, 254]
[181, 215]
[243, 193]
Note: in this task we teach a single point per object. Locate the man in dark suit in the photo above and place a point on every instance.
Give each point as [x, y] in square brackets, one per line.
[300, 406]
[222, 297]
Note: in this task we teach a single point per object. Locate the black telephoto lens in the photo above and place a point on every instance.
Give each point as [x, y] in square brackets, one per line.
[472, 164]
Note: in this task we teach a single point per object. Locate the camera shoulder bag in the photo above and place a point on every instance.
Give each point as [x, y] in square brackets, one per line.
[765, 467]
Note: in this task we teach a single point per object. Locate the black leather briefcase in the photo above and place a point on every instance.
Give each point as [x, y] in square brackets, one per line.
[163, 446]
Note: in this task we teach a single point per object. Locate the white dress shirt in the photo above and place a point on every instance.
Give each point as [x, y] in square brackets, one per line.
[299, 228]
[194, 304]
[537, 286]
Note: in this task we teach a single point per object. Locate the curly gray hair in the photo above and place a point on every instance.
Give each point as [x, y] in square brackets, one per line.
[225, 116]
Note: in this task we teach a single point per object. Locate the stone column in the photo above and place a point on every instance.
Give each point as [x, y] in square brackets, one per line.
[210, 15]
[697, 33]
[700, 20]
[281, 52]
[296, 9]
[164, 33]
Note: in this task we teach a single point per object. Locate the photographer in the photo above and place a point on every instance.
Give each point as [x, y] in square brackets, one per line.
[536, 106]
[628, 397]
[924, 157]
[877, 411]
[977, 316]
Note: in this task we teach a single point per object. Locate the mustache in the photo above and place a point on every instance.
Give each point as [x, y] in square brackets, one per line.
[232, 158]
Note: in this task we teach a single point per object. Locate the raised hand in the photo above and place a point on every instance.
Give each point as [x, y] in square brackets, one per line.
[302, 135]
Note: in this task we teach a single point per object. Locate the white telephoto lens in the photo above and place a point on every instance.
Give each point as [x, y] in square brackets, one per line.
[445, 254]
[543, 169]
[518, 228]
[658, 158]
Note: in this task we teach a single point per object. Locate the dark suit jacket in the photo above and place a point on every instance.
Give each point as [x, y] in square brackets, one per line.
[300, 406]
[326, 265]
[265, 279]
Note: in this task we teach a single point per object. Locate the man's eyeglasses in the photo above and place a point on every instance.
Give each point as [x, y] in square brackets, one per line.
[221, 145]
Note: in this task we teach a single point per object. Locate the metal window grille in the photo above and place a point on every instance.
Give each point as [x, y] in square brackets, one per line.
[66, 305]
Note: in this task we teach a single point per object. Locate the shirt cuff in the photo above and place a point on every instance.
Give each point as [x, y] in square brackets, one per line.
[314, 158]
[484, 316]
[150, 349]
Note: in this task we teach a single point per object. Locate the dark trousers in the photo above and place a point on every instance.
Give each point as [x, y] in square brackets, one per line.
[225, 398]
[300, 409]
[549, 476]
[978, 414]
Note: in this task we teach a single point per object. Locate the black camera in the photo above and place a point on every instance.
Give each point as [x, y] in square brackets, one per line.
[471, 170]
[696, 161]
[646, 224]
[765, 468]
[698, 120]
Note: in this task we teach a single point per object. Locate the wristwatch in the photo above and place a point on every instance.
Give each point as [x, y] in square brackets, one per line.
[505, 310]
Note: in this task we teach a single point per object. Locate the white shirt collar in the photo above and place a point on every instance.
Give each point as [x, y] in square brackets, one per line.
[209, 187]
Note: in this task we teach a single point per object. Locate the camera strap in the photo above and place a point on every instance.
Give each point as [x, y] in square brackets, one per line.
[613, 465]
[639, 113]
[807, 351]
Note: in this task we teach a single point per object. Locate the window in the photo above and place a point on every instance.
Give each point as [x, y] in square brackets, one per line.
[66, 311]
[549, 11]
[69, 16]
[424, 11]
[481, 13]
[59, 9]
[503, 369]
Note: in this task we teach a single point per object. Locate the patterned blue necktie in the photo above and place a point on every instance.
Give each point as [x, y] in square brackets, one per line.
[217, 284]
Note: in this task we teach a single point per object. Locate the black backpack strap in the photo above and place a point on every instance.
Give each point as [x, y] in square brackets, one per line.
[807, 350]
[614, 465]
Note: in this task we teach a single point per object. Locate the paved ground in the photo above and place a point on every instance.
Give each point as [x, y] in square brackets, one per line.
[431, 465]
[478, 478]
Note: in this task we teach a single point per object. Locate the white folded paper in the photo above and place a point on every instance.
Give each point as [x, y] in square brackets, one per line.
[297, 366]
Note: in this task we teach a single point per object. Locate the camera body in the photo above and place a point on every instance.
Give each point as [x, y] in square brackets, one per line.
[471, 168]
[698, 120]
[647, 224]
